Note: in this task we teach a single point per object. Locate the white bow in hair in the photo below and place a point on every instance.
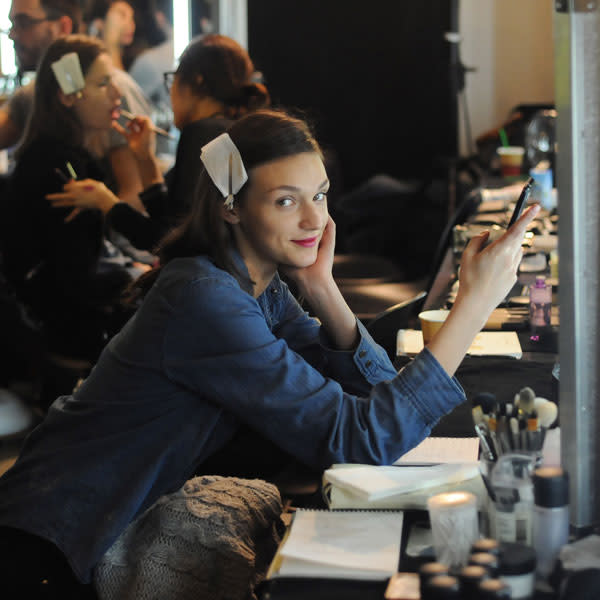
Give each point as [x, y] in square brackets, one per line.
[67, 70]
[224, 164]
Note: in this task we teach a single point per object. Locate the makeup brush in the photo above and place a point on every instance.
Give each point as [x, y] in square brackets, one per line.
[487, 401]
[526, 401]
[483, 433]
[547, 412]
[514, 432]
[129, 116]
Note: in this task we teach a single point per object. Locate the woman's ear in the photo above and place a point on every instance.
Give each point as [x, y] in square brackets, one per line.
[230, 215]
[67, 100]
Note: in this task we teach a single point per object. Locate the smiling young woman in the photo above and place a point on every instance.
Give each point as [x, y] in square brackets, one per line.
[220, 348]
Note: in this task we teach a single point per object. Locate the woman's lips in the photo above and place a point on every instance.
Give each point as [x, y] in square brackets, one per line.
[307, 242]
[115, 113]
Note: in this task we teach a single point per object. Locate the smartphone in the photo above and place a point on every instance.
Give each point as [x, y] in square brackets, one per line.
[521, 202]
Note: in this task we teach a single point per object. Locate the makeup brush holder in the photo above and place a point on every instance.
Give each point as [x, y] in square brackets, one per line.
[509, 481]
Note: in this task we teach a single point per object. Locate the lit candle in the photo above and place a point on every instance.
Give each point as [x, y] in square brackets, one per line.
[454, 526]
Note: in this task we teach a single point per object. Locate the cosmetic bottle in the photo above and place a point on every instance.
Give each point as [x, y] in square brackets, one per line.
[442, 587]
[550, 516]
[429, 570]
[540, 305]
[517, 569]
[489, 545]
[494, 589]
[487, 561]
[469, 578]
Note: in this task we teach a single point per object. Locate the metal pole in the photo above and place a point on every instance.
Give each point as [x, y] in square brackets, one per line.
[577, 87]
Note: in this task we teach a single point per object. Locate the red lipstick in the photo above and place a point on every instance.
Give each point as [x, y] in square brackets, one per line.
[307, 242]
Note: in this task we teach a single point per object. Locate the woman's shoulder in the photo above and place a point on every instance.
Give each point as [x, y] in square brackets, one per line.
[196, 286]
[203, 131]
[47, 152]
[189, 271]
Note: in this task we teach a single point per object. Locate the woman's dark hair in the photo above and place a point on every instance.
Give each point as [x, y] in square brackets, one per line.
[260, 137]
[98, 9]
[217, 66]
[49, 116]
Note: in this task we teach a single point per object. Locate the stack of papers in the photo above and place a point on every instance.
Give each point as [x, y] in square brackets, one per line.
[436, 465]
[486, 343]
[372, 483]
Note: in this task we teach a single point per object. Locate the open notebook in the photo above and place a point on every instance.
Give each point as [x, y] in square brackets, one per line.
[340, 544]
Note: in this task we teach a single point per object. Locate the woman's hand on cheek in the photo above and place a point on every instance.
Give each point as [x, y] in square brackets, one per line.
[319, 274]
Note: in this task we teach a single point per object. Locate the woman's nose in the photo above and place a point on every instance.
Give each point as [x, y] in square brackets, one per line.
[116, 90]
[314, 216]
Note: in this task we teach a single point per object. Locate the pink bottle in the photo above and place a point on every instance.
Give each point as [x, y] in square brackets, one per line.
[540, 305]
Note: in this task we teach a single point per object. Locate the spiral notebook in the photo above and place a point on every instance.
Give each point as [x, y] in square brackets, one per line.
[340, 544]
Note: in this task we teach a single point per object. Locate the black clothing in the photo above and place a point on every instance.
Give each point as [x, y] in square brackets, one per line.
[35, 568]
[167, 204]
[58, 269]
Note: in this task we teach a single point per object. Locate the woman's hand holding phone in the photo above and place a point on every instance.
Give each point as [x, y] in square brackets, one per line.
[487, 274]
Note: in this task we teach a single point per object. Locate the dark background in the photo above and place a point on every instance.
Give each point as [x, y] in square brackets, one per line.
[373, 77]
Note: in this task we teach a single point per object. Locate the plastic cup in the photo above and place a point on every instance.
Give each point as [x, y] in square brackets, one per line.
[511, 161]
[431, 322]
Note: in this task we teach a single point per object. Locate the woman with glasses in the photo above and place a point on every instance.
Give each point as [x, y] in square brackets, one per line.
[212, 87]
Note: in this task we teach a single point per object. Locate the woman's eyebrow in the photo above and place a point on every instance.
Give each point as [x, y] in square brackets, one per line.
[293, 188]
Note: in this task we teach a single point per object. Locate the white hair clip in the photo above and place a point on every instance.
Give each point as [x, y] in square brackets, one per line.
[67, 70]
[224, 164]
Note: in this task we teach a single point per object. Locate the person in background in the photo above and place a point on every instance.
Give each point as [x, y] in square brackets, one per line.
[211, 87]
[113, 21]
[219, 345]
[148, 67]
[59, 261]
[35, 24]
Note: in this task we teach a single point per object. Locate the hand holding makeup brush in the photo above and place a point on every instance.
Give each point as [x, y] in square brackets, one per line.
[141, 139]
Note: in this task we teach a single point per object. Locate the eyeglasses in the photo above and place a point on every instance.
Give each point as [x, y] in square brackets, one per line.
[168, 78]
[25, 22]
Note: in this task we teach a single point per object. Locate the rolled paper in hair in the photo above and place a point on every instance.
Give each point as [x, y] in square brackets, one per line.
[224, 164]
[67, 70]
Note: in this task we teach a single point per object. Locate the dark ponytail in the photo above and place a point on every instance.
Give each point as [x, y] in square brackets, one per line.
[217, 66]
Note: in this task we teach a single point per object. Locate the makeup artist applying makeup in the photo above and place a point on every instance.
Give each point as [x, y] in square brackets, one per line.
[211, 87]
[220, 348]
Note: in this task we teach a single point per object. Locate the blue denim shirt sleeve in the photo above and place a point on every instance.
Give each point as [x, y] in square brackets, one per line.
[218, 343]
[357, 370]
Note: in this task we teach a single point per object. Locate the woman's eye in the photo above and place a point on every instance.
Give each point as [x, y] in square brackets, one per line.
[287, 201]
[320, 197]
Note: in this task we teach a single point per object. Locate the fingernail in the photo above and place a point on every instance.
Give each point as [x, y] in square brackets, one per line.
[88, 188]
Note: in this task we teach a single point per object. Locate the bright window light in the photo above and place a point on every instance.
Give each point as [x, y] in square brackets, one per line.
[181, 26]
[7, 52]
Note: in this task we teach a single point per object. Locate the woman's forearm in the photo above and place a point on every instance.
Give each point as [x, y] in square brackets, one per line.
[149, 169]
[331, 309]
[454, 338]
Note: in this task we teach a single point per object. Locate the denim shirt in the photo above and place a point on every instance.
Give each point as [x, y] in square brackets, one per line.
[200, 358]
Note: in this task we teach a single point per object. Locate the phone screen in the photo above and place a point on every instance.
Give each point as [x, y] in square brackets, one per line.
[521, 202]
